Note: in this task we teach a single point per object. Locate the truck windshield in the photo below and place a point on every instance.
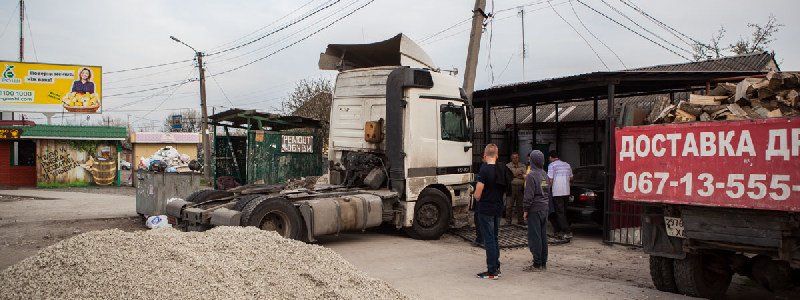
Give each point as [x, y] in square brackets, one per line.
[454, 123]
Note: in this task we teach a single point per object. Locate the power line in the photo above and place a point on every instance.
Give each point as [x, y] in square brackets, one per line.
[220, 89]
[595, 36]
[10, 17]
[294, 43]
[341, 9]
[275, 31]
[634, 31]
[263, 27]
[149, 67]
[643, 28]
[149, 74]
[670, 29]
[30, 33]
[151, 89]
[165, 100]
[580, 35]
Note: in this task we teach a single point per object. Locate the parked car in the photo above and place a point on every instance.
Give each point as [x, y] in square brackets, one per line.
[586, 195]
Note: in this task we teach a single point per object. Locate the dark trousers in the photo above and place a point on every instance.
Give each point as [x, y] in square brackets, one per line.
[560, 223]
[490, 229]
[537, 236]
[514, 207]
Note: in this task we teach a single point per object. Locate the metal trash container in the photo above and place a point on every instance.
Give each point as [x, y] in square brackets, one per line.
[154, 189]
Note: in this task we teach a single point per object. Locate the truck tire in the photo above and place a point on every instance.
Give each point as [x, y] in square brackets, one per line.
[273, 214]
[243, 200]
[702, 275]
[662, 273]
[431, 215]
[207, 194]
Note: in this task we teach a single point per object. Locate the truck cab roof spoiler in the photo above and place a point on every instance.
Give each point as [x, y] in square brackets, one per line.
[397, 51]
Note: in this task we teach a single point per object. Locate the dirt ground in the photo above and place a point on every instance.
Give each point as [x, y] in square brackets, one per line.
[445, 268]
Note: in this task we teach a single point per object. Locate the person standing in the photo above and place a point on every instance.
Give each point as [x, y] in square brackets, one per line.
[514, 206]
[559, 173]
[536, 204]
[489, 209]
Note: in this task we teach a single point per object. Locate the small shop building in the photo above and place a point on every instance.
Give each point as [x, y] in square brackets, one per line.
[60, 156]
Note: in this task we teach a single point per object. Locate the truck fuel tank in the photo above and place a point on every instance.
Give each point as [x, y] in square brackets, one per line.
[343, 213]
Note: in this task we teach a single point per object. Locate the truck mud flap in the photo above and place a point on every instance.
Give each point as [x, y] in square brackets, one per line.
[655, 240]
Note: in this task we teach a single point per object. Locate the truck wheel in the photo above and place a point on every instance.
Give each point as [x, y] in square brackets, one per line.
[207, 194]
[702, 275]
[662, 274]
[273, 214]
[431, 215]
[243, 200]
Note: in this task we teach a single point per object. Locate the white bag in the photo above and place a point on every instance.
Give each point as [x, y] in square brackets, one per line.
[159, 221]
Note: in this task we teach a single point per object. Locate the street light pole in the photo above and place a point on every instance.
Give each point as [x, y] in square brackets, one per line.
[203, 112]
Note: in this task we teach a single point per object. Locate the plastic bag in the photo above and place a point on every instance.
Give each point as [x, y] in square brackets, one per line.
[159, 221]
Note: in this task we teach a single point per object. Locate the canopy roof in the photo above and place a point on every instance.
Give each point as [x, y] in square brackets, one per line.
[240, 118]
[587, 86]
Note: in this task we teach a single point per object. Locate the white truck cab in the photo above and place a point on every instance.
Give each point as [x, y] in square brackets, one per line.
[397, 123]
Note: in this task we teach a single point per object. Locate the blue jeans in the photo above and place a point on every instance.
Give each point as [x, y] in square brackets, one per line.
[490, 229]
[537, 236]
[478, 238]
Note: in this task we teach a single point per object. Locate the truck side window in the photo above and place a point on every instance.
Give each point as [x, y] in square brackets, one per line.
[454, 123]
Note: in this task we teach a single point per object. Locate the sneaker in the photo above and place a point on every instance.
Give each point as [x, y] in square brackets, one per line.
[487, 275]
[534, 268]
[568, 236]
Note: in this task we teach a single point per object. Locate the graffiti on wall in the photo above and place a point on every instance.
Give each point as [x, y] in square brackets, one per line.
[55, 162]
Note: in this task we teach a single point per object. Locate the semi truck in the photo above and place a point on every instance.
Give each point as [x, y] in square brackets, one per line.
[399, 154]
[720, 198]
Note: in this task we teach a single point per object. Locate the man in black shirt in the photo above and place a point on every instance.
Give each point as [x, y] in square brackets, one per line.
[489, 209]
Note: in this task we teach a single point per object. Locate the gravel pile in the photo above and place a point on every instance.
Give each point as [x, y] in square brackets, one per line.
[222, 263]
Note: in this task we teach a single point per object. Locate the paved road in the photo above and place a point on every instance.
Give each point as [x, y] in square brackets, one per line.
[31, 205]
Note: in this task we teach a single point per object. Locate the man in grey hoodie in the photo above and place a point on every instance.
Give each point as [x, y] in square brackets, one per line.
[536, 204]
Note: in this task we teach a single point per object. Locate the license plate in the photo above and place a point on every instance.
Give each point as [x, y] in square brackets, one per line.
[674, 227]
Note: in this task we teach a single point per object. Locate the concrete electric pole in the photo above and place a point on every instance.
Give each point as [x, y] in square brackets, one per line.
[478, 16]
[204, 113]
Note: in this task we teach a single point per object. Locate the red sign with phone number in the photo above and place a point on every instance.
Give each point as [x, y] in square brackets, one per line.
[742, 164]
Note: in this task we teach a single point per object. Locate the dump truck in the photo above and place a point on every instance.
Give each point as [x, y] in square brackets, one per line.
[399, 154]
[720, 198]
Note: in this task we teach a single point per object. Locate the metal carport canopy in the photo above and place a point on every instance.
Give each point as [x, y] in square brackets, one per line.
[590, 85]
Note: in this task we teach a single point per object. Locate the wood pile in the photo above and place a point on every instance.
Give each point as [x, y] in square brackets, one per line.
[776, 95]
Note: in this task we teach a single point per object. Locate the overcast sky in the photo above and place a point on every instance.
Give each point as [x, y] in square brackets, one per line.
[127, 34]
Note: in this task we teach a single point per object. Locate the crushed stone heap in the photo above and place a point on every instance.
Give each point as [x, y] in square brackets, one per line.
[222, 263]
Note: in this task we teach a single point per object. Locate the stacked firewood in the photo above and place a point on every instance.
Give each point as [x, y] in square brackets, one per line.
[775, 95]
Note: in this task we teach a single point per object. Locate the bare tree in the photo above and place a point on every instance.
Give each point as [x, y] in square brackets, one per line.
[311, 99]
[759, 41]
[189, 121]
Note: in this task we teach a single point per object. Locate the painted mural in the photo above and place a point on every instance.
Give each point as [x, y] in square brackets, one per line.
[59, 163]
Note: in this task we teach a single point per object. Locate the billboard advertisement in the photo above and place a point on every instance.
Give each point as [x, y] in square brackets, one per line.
[739, 164]
[41, 87]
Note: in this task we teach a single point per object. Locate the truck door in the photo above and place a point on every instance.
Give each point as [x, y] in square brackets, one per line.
[454, 149]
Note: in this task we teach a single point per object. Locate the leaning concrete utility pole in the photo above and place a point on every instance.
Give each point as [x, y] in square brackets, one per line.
[204, 123]
[478, 16]
[22, 30]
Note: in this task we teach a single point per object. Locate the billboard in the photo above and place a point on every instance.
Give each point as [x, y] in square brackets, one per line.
[41, 87]
[739, 164]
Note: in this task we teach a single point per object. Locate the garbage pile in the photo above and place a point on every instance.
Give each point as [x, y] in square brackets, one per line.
[221, 263]
[776, 95]
[168, 159]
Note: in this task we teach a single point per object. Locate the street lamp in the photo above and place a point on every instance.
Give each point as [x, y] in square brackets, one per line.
[203, 111]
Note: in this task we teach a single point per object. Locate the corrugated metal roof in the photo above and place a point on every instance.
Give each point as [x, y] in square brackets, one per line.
[759, 61]
[75, 132]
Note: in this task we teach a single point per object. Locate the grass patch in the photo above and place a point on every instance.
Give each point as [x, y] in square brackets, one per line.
[55, 185]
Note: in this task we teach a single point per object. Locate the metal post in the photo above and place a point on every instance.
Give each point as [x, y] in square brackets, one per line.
[533, 124]
[522, 16]
[21, 30]
[558, 130]
[595, 155]
[204, 121]
[487, 128]
[474, 47]
[609, 161]
[515, 137]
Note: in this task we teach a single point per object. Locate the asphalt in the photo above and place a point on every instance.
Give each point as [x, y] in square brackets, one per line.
[32, 205]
